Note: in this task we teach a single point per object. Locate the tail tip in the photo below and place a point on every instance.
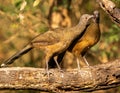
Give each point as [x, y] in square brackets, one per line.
[3, 65]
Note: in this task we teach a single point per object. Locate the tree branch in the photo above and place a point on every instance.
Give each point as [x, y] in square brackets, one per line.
[91, 78]
[110, 8]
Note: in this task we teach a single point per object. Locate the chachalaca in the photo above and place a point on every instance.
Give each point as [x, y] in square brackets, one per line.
[89, 38]
[81, 44]
[53, 42]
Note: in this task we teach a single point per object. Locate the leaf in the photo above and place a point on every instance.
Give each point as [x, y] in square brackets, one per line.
[24, 3]
[36, 2]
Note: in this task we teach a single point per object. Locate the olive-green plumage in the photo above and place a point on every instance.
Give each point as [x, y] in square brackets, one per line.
[90, 37]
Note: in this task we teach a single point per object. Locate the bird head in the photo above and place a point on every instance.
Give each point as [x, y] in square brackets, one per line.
[85, 18]
[96, 16]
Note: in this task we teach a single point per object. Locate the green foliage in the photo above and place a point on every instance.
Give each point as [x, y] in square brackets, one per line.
[111, 38]
[65, 3]
[9, 8]
[42, 28]
[17, 3]
[109, 43]
[113, 35]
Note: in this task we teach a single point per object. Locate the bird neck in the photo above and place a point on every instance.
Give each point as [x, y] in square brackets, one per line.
[75, 31]
[79, 28]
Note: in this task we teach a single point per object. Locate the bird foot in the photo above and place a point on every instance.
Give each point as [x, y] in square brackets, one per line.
[59, 69]
[47, 72]
[79, 69]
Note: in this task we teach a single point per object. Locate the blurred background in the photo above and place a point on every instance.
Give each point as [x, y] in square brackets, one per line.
[21, 20]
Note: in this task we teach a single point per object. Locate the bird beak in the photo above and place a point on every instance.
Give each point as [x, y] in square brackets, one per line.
[92, 16]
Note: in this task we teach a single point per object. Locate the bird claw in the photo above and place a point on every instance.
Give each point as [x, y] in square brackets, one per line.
[78, 69]
[47, 73]
[60, 70]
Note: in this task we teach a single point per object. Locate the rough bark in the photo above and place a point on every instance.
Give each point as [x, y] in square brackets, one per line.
[91, 78]
[110, 8]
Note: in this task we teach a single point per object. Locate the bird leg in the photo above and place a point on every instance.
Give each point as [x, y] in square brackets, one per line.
[78, 63]
[77, 60]
[47, 71]
[47, 66]
[55, 59]
[85, 60]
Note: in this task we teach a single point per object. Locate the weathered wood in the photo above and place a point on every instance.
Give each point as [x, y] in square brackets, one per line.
[91, 78]
[110, 8]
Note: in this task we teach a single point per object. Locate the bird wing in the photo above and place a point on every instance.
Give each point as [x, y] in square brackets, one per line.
[48, 38]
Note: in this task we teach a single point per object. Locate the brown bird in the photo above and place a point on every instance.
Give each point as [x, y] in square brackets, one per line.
[85, 41]
[89, 38]
[53, 42]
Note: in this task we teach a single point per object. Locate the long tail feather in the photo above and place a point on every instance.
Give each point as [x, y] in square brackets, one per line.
[16, 56]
